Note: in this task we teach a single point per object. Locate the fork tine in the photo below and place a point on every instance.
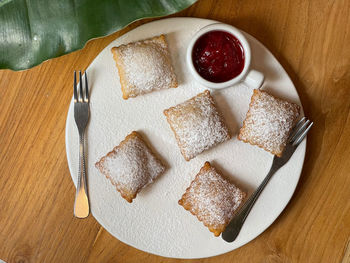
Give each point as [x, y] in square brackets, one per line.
[296, 128]
[75, 87]
[86, 88]
[81, 97]
[302, 136]
[300, 121]
[300, 130]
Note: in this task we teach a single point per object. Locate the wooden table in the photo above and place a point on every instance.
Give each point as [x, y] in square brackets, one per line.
[311, 39]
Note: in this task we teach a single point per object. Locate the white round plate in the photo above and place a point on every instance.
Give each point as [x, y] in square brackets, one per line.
[154, 222]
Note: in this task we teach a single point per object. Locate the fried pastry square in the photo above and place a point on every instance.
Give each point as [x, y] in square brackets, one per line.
[130, 166]
[212, 199]
[269, 122]
[144, 66]
[197, 125]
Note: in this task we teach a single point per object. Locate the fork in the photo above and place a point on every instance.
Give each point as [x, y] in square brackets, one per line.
[81, 116]
[296, 137]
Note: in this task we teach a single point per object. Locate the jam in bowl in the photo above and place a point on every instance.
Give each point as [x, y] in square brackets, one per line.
[219, 56]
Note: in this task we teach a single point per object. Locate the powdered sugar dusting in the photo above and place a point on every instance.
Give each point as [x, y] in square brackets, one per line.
[145, 66]
[197, 125]
[130, 166]
[212, 199]
[269, 122]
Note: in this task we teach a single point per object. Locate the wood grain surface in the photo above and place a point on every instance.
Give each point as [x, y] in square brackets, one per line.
[311, 39]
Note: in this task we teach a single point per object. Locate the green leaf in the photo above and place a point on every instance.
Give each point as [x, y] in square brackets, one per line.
[32, 31]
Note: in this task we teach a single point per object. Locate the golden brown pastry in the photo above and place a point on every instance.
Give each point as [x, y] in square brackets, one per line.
[269, 122]
[130, 166]
[197, 125]
[144, 66]
[212, 199]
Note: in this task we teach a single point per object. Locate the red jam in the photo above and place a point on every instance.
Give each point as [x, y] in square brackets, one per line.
[218, 56]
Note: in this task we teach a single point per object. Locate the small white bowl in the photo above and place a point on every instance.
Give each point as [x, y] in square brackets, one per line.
[251, 77]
